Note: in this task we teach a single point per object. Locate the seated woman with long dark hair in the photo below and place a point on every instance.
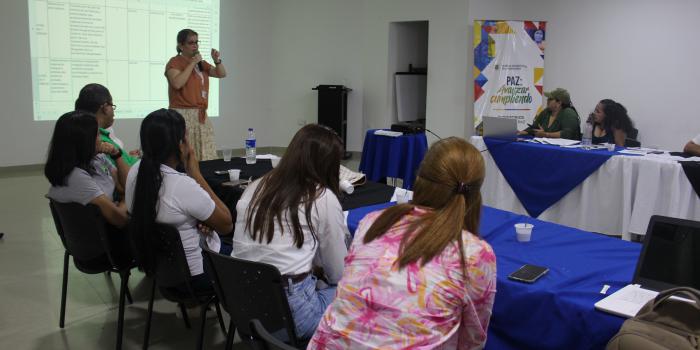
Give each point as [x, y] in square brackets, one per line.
[78, 173]
[156, 192]
[292, 219]
[611, 124]
[417, 275]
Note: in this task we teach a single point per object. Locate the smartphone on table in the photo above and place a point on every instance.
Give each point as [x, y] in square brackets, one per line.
[528, 273]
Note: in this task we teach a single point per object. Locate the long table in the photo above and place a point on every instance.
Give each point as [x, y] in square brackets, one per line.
[556, 312]
[617, 199]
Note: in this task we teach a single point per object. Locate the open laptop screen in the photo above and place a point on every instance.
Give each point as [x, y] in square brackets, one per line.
[670, 256]
[501, 128]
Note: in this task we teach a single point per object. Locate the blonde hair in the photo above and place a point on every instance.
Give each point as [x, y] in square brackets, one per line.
[449, 182]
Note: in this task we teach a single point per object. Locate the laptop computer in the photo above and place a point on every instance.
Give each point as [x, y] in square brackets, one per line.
[670, 257]
[501, 128]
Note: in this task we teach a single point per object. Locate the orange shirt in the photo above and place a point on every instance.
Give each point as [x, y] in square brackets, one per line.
[195, 92]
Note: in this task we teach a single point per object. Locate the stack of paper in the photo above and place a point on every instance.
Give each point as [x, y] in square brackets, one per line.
[556, 142]
[388, 133]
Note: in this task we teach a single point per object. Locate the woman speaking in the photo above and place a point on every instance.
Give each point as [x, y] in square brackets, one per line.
[188, 90]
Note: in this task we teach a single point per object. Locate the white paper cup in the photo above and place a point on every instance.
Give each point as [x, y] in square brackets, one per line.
[611, 147]
[346, 186]
[523, 231]
[275, 161]
[234, 174]
[227, 154]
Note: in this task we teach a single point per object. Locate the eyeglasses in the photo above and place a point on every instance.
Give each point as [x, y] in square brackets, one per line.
[111, 104]
[195, 42]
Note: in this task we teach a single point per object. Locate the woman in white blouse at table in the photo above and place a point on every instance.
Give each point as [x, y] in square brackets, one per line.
[292, 218]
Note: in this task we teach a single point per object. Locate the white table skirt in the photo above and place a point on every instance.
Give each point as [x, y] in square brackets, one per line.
[617, 199]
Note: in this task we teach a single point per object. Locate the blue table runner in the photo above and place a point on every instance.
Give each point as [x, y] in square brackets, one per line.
[540, 175]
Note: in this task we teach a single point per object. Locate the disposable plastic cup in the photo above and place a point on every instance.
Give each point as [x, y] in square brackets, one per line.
[523, 231]
[234, 174]
[227, 154]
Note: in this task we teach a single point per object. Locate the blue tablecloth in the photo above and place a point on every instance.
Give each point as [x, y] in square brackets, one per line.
[397, 157]
[557, 311]
[540, 175]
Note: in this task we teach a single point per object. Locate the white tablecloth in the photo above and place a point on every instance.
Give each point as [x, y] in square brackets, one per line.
[617, 199]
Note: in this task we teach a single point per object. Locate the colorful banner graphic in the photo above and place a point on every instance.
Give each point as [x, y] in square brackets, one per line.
[508, 70]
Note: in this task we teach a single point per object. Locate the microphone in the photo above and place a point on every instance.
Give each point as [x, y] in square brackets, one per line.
[199, 64]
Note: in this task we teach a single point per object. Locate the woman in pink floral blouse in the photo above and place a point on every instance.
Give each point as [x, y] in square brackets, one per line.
[417, 276]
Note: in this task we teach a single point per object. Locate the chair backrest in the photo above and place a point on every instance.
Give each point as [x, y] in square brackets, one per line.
[252, 290]
[171, 268]
[82, 229]
[633, 134]
[632, 143]
[268, 342]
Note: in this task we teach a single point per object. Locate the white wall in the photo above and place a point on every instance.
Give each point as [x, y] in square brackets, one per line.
[641, 53]
[447, 62]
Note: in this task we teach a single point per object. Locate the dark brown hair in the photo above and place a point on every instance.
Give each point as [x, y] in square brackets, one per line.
[449, 182]
[310, 166]
[182, 37]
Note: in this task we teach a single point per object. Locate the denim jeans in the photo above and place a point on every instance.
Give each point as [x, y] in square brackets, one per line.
[308, 305]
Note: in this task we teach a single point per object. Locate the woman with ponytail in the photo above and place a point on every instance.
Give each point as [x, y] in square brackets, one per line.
[156, 192]
[417, 275]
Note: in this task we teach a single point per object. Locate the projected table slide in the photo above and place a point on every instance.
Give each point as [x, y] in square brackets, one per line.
[122, 44]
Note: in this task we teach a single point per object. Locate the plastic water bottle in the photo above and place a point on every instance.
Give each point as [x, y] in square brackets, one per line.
[587, 134]
[250, 147]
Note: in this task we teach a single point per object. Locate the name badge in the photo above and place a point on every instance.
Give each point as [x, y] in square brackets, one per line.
[204, 94]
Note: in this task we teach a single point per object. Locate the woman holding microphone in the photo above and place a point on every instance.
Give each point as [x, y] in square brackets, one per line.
[188, 90]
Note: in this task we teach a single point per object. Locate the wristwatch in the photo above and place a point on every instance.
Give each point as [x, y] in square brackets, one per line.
[116, 156]
[217, 63]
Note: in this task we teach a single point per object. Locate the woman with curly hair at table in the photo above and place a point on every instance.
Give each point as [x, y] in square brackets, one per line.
[611, 124]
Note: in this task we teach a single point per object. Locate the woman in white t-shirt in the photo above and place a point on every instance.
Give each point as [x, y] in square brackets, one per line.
[292, 219]
[78, 174]
[158, 193]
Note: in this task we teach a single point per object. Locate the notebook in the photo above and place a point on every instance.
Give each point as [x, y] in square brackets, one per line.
[501, 128]
[669, 258]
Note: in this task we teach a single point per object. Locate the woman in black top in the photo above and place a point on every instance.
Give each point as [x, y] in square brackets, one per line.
[611, 124]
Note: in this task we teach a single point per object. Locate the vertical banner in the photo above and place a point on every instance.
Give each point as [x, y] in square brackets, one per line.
[508, 70]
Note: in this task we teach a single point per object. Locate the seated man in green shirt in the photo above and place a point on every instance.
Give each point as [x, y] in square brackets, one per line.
[558, 120]
[96, 99]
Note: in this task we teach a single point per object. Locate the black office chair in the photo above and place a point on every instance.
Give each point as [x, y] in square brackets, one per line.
[251, 290]
[265, 339]
[631, 140]
[85, 236]
[632, 143]
[633, 134]
[171, 274]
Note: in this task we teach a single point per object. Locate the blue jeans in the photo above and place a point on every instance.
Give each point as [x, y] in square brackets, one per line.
[308, 305]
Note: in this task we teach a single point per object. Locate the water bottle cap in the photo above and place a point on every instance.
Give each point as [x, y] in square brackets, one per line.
[250, 129]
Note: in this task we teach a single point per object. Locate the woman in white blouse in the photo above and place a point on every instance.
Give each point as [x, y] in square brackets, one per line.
[291, 218]
[157, 192]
